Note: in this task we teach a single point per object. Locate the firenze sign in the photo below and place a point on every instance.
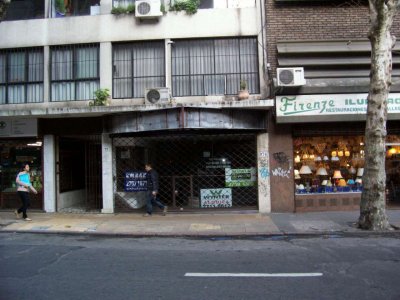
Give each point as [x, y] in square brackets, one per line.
[326, 105]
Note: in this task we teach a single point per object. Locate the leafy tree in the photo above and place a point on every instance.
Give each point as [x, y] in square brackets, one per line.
[372, 207]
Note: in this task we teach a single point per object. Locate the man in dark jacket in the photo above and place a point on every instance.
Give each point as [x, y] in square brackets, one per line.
[152, 191]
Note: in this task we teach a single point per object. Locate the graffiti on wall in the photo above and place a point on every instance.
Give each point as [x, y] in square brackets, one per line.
[281, 165]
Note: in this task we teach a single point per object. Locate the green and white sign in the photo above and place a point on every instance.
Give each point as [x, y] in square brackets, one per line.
[240, 177]
[215, 198]
[292, 107]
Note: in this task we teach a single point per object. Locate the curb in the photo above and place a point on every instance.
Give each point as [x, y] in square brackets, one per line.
[256, 236]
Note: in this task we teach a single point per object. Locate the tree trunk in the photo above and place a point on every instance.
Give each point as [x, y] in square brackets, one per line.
[372, 208]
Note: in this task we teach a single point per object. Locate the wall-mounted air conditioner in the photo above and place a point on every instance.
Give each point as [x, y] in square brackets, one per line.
[157, 95]
[290, 76]
[148, 9]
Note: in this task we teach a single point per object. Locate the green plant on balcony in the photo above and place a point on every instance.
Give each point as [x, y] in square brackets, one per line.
[190, 6]
[60, 7]
[101, 98]
[119, 10]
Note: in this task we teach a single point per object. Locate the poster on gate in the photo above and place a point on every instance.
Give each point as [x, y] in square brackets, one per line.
[240, 177]
[215, 198]
[135, 181]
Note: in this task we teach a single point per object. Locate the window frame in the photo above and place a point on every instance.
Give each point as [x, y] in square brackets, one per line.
[26, 69]
[242, 74]
[75, 78]
[130, 46]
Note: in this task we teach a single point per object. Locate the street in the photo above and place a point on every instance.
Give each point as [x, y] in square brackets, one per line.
[36, 266]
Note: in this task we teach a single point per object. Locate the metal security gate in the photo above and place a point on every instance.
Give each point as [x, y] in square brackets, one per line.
[197, 171]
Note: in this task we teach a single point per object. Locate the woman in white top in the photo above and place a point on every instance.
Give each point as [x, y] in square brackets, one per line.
[23, 181]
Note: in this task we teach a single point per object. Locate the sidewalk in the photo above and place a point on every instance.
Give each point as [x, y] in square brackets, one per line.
[193, 225]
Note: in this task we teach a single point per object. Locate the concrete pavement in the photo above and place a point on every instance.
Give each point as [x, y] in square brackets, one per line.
[193, 225]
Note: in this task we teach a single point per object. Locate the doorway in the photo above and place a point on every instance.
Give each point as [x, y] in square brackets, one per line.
[79, 174]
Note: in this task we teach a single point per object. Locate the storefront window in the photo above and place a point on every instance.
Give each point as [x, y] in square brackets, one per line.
[13, 154]
[328, 164]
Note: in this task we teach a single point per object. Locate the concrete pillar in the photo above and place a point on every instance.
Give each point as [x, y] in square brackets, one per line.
[106, 66]
[46, 74]
[264, 187]
[108, 193]
[168, 63]
[49, 173]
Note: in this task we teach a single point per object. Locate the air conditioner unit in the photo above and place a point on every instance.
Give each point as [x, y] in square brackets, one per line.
[158, 95]
[148, 9]
[290, 76]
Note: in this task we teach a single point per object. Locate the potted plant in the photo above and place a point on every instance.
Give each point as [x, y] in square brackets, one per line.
[101, 97]
[243, 93]
[60, 8]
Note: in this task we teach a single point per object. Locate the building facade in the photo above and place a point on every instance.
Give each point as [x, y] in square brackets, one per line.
[173, 79]
[317, 132]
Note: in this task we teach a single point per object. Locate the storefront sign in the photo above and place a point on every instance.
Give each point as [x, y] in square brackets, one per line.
[215, 198]
[135, 181]
[18, 127]
[240, 177]
[218, 163]
[325, 105]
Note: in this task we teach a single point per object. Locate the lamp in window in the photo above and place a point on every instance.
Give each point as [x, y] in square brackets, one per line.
[352, 170]
[340, 153]
[347, 153]
[337, 174]
[305, 170]
[322, 172]
[392, 150]
[333, 153]
[297, 159]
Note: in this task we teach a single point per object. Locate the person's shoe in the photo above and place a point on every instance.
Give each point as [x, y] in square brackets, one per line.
[165, 210]
[147, 215]
[27, 219]
[17, 215]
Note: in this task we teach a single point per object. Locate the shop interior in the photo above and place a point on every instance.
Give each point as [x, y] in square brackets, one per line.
[335, 164]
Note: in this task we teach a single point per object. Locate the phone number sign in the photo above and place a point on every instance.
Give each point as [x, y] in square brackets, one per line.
[135, 181]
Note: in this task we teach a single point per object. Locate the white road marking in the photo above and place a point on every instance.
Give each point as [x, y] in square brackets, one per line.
[253, 274]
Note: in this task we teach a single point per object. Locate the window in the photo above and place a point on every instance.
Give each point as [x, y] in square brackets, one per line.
[21, 76]
[123, 3]
[137, 66]
[74, 72]
[24, 10]
[62, 8]
[214, 67]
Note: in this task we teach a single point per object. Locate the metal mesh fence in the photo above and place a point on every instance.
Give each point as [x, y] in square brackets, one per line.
[195, 171]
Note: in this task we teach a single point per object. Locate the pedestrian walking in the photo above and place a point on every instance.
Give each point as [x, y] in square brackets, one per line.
[152, 192]
[23, 181]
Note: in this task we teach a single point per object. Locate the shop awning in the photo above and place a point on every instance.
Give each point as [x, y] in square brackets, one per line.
[186, 118]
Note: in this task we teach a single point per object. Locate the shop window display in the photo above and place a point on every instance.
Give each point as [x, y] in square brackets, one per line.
[333, 164]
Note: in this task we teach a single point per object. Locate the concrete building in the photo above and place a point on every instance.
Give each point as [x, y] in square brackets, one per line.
[173, 80]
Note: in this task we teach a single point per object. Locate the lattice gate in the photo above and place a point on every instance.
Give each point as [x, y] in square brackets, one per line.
[196, 171]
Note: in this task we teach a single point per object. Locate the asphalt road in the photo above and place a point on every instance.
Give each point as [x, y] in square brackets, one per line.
[35, 266]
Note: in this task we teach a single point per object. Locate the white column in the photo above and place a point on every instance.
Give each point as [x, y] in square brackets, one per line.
[106, 66]
[168, 63]
[264, 184]
[108, 193]
[49, 173]
[46, 74]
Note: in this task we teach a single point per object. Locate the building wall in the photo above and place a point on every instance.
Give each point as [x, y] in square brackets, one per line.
[320, 21]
